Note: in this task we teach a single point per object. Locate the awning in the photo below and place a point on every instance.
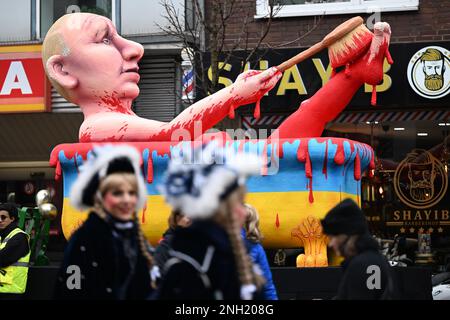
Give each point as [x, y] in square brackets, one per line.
[272, 121]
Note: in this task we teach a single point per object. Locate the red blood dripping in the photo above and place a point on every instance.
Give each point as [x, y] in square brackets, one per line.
[339, 157]
[389, 57]
[373, 100]
[277, 222]
[58, 171]
[302, 150]
[115, 104]
[357, 166]
[311, 195]
[70, 151]
[162, 149]
[280, 150]
[325, 161]
[150, 169]
[308, 167]
[143, 212]
[231, 111]
[303, 156]
[257, 112]
[85, 137]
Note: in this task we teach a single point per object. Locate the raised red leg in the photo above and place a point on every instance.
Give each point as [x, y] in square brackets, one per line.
[313, 114]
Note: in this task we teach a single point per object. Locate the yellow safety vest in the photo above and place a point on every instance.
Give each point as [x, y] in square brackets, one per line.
[13, 279]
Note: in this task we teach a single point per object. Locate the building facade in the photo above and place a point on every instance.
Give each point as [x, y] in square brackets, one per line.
[409, 127]
[34, 117]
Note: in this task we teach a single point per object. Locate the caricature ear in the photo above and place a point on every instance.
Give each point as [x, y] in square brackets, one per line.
[55, 70]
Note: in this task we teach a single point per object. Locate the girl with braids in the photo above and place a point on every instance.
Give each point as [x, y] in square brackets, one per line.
[109, 252]
[253, 237]
[208, 259]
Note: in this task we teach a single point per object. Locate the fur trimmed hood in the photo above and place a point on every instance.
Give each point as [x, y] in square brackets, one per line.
[103, 161]
[197, 180]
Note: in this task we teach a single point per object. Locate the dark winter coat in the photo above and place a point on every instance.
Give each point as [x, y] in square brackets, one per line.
[183, 281]
[161, 254]
[109, 259]
[357, 275]
[258, 255]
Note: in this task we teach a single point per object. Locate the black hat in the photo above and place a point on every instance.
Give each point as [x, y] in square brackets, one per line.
[345, 218]
[103, 162]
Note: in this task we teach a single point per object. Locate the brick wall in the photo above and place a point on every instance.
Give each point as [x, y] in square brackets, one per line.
[430, 23]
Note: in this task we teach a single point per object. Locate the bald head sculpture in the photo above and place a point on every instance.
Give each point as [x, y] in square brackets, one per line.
[86, 59]
[91, 65]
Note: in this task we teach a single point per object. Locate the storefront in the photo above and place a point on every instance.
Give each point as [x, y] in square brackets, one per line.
[34, 117]
[408, 129]
[29, 128]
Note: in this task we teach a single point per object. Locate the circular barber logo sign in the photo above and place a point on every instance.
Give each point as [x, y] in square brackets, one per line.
[420, 180]
[429, 72]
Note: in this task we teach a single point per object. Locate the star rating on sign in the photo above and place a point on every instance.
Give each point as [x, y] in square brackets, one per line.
[411, 230]
[402, 230]
[421, 230]
[430, 230]
[440, 230]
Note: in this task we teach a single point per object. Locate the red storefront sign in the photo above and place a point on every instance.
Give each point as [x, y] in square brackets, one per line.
[23, 84]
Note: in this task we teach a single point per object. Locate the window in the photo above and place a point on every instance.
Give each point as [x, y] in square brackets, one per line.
[293, 8]
[52, 10]
[15, 20]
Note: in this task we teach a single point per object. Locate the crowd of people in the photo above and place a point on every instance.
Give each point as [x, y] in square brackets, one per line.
[212, 248]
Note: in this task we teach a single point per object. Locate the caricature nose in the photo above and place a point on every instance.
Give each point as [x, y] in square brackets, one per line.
[131, 50]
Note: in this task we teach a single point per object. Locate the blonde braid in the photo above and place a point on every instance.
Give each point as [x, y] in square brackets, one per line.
[243, 261]
[143, 244]
[98, 209]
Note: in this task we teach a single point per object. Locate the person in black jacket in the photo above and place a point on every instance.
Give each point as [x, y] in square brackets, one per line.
[176, 220]
[108, 256]
[367, 273]
[209, 259]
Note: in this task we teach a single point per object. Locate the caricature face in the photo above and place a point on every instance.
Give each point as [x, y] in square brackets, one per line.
[421, 178]
[99, 59]
[434, 79]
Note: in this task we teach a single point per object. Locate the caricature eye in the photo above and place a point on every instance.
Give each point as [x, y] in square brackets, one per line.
[106, 41]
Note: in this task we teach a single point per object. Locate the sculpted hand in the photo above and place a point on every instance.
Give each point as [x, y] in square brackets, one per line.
[250, 86]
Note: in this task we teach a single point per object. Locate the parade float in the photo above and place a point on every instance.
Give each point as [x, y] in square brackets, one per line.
[304, 174]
